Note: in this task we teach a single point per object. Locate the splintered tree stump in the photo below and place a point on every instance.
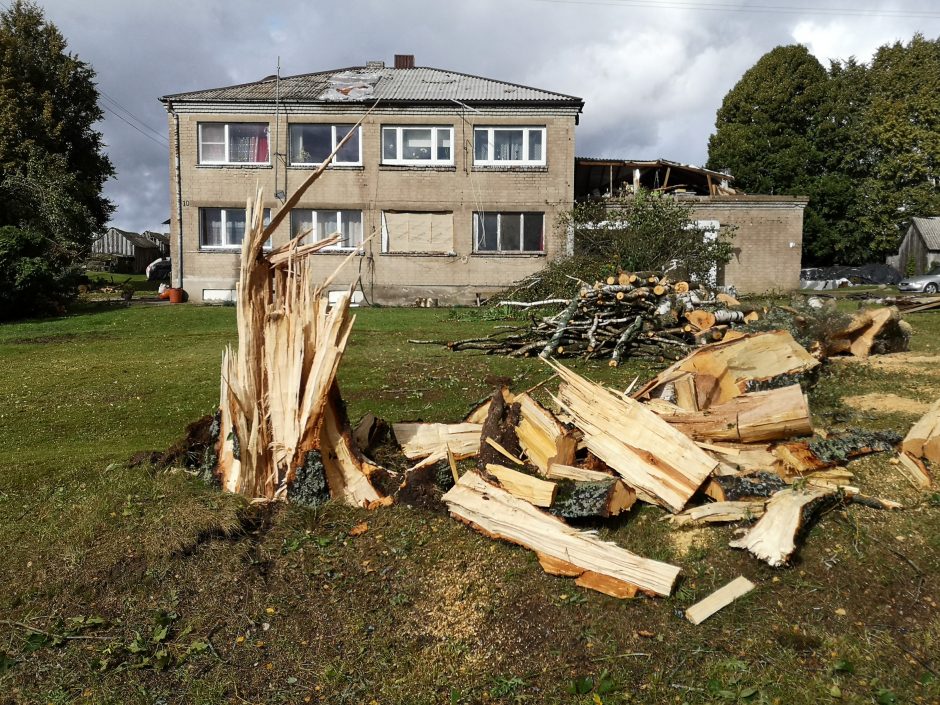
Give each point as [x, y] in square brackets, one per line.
[500, 426]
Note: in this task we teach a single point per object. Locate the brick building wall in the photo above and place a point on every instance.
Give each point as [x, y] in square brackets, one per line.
[389, 278]
[768, 240]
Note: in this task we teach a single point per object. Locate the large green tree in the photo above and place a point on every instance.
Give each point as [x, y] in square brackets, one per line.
[52, 164]
[862, 141]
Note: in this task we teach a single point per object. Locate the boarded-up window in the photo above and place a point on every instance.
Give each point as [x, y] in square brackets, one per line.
[418, 232]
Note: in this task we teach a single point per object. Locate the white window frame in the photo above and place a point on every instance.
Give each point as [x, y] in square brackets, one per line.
[339, 223]
[227, 145]
[226, 247]
[499, 232]
[435, 143]
[334, 141]
[490, 143]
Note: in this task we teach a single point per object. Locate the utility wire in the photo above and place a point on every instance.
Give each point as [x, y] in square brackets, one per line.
[760, 9]
[116, 103]
[123, 119]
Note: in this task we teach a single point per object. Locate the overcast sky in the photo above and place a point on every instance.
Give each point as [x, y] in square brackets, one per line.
[652, 73]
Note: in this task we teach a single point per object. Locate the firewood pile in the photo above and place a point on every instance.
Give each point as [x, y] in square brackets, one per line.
[645, 314]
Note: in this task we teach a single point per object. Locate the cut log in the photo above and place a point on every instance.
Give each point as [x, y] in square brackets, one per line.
[662, 464]
[423, 440]
[733, 488]
[809, 456]
[788, 514]
[701, 319]
[592, 498]
[770, 415]
[915, 470]
[496, 513]
[543, 439]
[923, 440]
[724, 370]
[721, 598]
[719, 513]
[727, 299]
[539, 493]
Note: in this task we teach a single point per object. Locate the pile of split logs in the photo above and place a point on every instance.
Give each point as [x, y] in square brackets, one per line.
[645, 314]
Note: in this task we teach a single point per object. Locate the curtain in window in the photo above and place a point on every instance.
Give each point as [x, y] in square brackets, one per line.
[352, 229]
[212, 227]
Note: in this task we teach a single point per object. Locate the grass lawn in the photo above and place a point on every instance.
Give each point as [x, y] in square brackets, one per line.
[121, 585]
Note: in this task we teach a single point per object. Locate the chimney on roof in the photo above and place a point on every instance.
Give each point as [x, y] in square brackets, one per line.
[404, 61]
[375, 65]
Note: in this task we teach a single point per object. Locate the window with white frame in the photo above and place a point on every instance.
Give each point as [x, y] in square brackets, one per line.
[311, 144]
[508, 232]
[323, 224]
[233, 143]
[418, 145]
[224, 228]
[502, 146]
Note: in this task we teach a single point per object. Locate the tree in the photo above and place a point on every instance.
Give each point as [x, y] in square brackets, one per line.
[52, 164]
[764, 127]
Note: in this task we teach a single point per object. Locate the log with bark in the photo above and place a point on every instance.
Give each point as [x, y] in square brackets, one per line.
[923, 440]
[802, 457]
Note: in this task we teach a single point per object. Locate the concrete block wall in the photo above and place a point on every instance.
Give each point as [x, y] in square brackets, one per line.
[768, 240]
[463, 188]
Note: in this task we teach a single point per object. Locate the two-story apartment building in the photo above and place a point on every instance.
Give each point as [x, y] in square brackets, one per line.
[457, 179]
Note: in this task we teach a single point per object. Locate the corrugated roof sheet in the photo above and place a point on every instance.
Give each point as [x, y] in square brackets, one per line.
[365, 84]
[930, 230]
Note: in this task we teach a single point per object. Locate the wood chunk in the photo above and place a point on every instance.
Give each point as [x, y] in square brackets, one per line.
[420, 440]
[597, 498]
[721, 598]
[915, 470]
[556, 566]
[503, 452]
[702, 320]
[607, 585]
[539, 493]
[662, 464]
[923, 440]
[770, 415]
[818, 454]
[496, 513]
[498, 436]
[733, 488]
[719, 513]
[543, 439]
[788, 514]
[723, 370]
[557, 471]
[727, 299]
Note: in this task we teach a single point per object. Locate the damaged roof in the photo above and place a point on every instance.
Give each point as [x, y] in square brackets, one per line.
[929, 230]
[366, 84]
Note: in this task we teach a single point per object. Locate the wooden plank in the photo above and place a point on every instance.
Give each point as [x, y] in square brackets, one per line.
[718, 513]
[557, 471]
[496, 513]
[537, 492]
[721, 598]
[662, 464]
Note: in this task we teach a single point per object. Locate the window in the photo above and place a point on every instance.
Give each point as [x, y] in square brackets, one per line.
[233, 143]
[508, 232]
[224, 228]
[428, 146]
[497, 146]
[312, 144]
[326, 223]
[417, 232]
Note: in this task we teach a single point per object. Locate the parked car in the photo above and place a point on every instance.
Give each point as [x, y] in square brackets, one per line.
[159, 270]
[928, 283]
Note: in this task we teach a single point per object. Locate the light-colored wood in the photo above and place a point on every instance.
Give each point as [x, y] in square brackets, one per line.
[774, 414]
[347, 471]
[453, 465]
[721, 598]
[496, 513]
[723, 369]
[923, 440]
[607, 585]
[557, 471]
[727, 299]
[701, 319]
[915, 470]
[556, 566]
[681, 287]
[662, 464]
[502, 451]
[543, 439]
[533, 490]
[773, 538]
[420, 440]
[718, 513]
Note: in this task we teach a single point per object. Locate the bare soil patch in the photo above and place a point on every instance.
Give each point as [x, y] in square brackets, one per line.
[889, 403]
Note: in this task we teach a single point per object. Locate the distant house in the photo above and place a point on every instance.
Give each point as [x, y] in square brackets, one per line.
[768, 230]
[128, 252]
[920, 246]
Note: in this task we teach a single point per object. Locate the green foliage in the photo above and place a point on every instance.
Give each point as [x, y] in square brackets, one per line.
[52, 167]
[646, 232]
[862, 141]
